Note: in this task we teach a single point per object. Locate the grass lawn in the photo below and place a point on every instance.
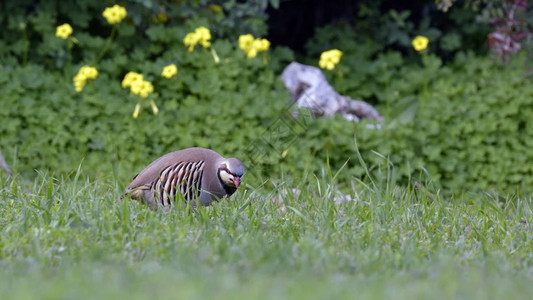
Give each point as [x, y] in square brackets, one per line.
[69, 239]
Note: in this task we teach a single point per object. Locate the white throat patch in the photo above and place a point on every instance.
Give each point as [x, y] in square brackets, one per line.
[226, 178]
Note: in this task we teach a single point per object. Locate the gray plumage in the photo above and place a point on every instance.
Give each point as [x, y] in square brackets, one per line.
[3, 165]
[194, 173]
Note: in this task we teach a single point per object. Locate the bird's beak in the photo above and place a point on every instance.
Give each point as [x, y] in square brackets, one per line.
[236, 181]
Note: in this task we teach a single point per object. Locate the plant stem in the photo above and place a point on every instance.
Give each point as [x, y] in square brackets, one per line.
[425, 93]
[26, 46]
[425, 88]
[106, 46]
[340, 86]
[244, 78]
[180, 87]
[387, 91]
[69, 60]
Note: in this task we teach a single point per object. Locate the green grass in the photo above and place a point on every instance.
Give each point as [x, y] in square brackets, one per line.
[69, 239]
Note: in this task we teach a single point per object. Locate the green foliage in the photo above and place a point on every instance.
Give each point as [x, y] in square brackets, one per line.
[463, 123]
[220, 106]
[449, 32]
[208, 105]
[69, 238]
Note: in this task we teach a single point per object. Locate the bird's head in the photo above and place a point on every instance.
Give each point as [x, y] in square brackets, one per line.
[230, 172]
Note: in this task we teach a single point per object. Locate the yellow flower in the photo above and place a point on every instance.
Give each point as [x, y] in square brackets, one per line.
[191, 39]
[142, 88]
[64, 31]
[169, 71]
[79, 82]
[257, 44]
[114, 14]
[130, 78]
[251, 53]
[80, 77]
[329, 59]
[263, 45]
[201, 35]
[88, 72]
[136, 111]
[245, 42]
[85, 73]
[420, 43]
[204, 35]
[251, 46]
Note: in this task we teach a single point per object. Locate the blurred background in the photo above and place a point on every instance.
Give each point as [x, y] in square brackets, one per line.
[455, 113]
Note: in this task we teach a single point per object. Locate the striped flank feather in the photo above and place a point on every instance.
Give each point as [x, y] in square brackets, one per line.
[183, 177]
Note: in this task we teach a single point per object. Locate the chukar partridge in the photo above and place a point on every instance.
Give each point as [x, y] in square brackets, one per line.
[196, 173]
